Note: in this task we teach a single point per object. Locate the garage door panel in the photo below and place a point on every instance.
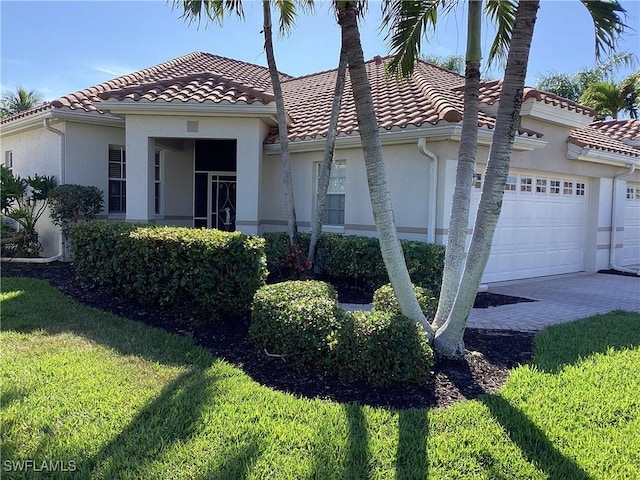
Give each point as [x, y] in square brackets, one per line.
[539, 232]
[631, 238]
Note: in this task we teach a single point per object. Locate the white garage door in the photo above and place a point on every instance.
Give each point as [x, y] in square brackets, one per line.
[631, 240]
[542, 226]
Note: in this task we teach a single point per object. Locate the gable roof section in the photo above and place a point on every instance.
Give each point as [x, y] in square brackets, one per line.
[490, 94]
[204, 76]
[430, 96]
[594, 136]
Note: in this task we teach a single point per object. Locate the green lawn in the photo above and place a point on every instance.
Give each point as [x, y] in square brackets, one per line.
[122, 400]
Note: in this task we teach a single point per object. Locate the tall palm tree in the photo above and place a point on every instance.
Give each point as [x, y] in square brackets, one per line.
[606, 98]
[348, 13]
[19, 101]
[514, 36]
[324, 176]
[215, 10]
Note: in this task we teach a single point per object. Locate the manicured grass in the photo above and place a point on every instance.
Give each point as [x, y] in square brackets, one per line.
[123, 400]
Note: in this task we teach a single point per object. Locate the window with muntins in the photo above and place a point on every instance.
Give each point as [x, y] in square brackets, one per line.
[554, 188]
[526, 184]
[580, 189]
[541, 185]
[477, 180]
[568, 188]
[8, 159]
[334, 206]
[510, 186]
[117, 179]
[157, 172]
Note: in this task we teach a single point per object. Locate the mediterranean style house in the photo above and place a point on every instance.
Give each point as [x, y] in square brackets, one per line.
[194, 142]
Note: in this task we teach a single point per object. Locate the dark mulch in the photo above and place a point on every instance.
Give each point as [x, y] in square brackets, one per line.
[485, 367]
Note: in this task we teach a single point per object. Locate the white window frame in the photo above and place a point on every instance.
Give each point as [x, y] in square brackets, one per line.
[526, 184]
[541, 185]
[477, 180]
[158, 183]
[8, 159]
[122, 179]
[580, 189]
[555, 186]
[337, 164]
[511, 184]
[631, 193]
[568, 187]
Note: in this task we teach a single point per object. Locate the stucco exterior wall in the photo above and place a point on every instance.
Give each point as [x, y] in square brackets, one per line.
[142, 129]
[37, 151]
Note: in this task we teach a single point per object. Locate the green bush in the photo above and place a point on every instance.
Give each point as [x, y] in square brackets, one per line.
[296, 319]
[382, 349]
[71, 203]
[384, 300]
[219, 271]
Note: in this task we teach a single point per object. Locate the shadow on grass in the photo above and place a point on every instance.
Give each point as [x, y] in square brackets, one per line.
[532, 441]
[411, 455]
[33, 310]
[566, 344]
[358, 454]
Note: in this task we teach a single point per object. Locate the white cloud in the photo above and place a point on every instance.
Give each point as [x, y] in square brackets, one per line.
[113, 70]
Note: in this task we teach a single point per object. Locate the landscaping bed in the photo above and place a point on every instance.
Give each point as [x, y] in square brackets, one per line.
[484, 369]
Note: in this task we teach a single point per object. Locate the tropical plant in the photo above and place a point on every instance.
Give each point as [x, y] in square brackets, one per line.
[454, 63]
[215, 10]
[23, 202]
[18, 101]
[515, 30]
[573, 86]
[610, 99]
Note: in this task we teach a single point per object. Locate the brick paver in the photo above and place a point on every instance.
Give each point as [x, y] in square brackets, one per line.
[559, 299]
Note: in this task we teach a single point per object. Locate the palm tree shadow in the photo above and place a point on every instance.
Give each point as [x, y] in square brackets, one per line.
[358, 454]
[584, 338]
[411, 454]
[174, 415]
[532, 441]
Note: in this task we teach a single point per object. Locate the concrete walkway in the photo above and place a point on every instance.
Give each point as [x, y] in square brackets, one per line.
[559, 299]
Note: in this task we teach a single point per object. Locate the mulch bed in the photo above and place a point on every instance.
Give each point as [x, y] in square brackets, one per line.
[485, 368]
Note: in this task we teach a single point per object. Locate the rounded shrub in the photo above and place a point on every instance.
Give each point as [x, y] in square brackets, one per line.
[296, 319]
[382, 348]
[384, 300]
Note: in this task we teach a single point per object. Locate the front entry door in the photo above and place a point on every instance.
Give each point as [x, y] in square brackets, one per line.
[222, 196]
[215, 200]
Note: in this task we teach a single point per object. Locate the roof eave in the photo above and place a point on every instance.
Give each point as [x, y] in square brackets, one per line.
[123, 107]
[588, 154]
[554, 114]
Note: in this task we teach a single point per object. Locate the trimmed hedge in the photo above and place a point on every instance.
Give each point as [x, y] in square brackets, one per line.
[384, 300]
[303, 321]
[219, 271]
[383, 349]
[358, 259]
[296, 319]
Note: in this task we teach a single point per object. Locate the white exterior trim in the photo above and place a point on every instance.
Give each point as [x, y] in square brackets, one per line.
[575, 152]
[554, 114]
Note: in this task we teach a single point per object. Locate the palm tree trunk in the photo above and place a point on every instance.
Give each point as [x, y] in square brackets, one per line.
[459, 221]
[376, 174]
[327, 160]
[283, 131]
[449, 339]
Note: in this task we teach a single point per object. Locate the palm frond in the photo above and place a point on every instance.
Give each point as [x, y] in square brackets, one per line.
[287, 15]
[212, 10]
[407, 22]
[608, 21]
[503, 15]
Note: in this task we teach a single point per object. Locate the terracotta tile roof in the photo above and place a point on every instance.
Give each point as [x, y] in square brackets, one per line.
[431, 96]
[593, 136]
[623, 130]
[200, 87]
[26, 113]
[490, 94]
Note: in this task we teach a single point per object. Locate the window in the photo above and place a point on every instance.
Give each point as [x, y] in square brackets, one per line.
[630, 192]
[541, 185]
[580, 189]
[510, 186]
[526, 184]
[477, 180]
[117, 179]
[568, 188]
[157, 172]
[554, 188]
[334, 206]
[637, 193]
[8, 159]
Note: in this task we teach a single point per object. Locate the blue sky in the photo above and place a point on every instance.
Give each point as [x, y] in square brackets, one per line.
[60, 47]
